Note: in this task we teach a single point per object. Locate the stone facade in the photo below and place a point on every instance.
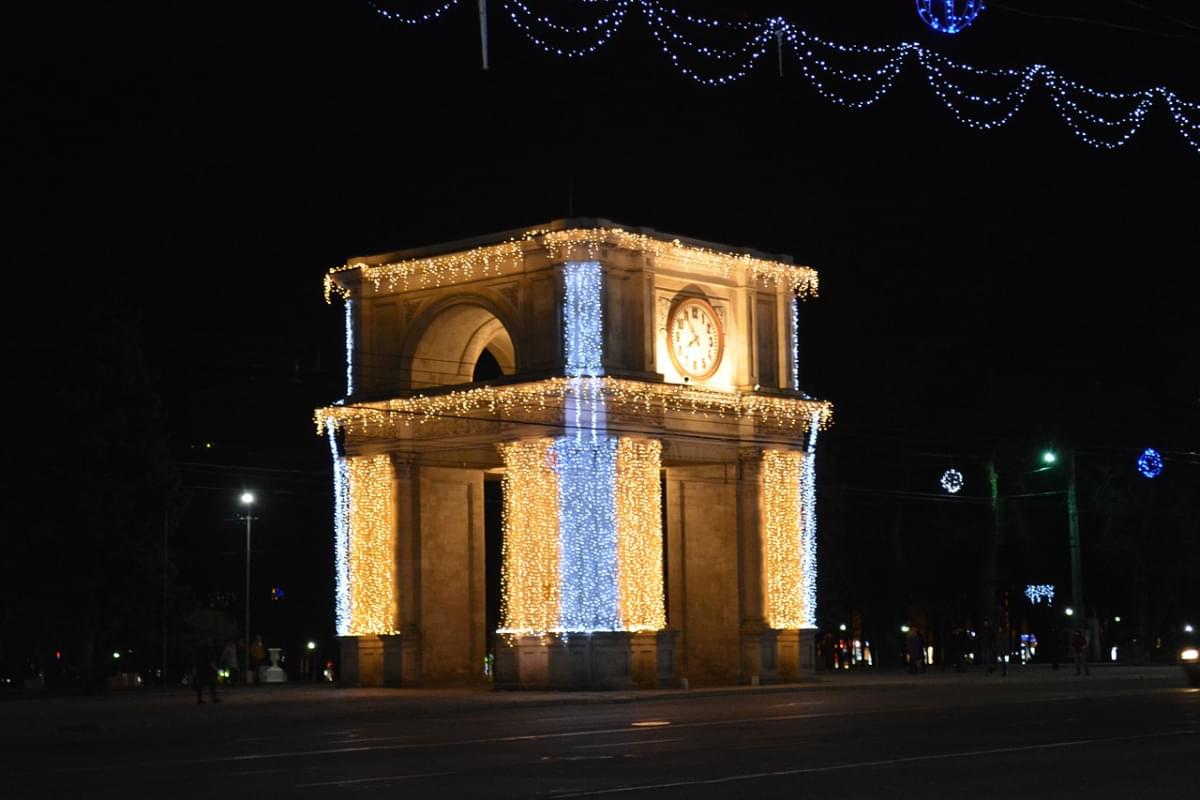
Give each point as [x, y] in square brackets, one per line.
[418, 323]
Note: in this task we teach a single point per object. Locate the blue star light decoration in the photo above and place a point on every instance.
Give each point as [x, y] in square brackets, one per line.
[952, 481]
[1150, 463]
[945, 16]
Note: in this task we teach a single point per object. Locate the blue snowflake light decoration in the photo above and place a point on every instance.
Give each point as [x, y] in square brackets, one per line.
[949, 16]
[1150, 463]
[952, 481]
[1037, 592]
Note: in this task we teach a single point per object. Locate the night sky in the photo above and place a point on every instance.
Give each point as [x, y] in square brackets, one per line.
[197, 167]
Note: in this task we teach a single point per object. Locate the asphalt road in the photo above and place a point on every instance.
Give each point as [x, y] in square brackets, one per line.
[1123, 732]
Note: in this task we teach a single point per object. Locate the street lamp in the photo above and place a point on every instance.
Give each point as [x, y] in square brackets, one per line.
[1049, 458]
[248, 501]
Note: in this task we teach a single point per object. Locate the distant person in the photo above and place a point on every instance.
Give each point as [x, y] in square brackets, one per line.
[827, 646]
[205, 669]
[1003, 646]
[229, 661]
[916, 651]
[1079, 644]
[258, 657]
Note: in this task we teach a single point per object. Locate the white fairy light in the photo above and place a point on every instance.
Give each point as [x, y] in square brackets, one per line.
[341, 538]
[349, 348]
[808, 549]
[704, 59]
[371, 552]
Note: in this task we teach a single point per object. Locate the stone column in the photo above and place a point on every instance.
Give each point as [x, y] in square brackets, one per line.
[401, 651]
[449, 598]
[758, 662]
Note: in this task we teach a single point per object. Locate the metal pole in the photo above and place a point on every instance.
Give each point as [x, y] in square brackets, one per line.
[166, 567]
[1073, 527]
[246, 656]
[483, 37]
[988, 586]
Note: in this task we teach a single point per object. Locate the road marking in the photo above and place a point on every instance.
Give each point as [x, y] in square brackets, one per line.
[266, 771]
[867, 764]
[360, 739]
[626, 744]
[375, 780]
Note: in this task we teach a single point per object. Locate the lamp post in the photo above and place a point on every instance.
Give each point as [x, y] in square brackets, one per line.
[1049, 458]
[248, 501]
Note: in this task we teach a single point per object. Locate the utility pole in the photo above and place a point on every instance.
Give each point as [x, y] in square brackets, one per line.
[166, 566]
[1073, 529]
[992, 546]
[483, 37]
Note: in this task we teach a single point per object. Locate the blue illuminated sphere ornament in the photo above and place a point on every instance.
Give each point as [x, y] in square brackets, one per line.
[1150, 463]
[952, 481]
[949, 16]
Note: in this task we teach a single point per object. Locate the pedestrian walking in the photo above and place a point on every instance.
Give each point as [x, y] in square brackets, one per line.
[205, 671]
[1079, 643]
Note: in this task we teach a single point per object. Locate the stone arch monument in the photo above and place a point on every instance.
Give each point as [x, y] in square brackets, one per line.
[654, 453]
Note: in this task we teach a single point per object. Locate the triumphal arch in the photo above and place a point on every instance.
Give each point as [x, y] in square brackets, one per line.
[630, 401]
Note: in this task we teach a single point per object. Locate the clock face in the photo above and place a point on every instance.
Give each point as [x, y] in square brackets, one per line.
[695, 339]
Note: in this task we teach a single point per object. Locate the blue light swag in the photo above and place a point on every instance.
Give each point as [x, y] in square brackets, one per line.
[944, 16]
[716, 52]
[1150, 463]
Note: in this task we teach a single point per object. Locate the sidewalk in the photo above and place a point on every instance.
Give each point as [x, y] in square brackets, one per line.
[80, 718]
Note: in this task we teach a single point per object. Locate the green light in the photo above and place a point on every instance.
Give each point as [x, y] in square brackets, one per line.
[1048, 457]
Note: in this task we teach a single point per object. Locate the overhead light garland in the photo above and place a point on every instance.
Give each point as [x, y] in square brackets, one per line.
[684, 39]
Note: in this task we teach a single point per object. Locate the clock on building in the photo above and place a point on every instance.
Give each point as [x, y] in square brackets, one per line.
[695, 340]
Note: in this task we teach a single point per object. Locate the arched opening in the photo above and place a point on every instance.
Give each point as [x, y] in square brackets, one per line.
[463, 343]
